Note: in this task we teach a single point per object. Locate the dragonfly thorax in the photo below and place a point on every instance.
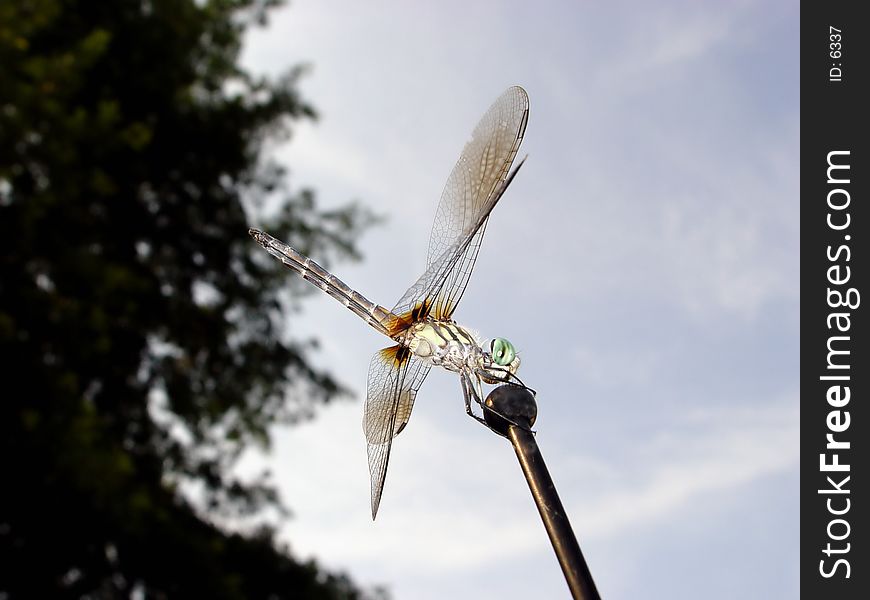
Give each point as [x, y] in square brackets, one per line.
[455, 348]
[445, 344]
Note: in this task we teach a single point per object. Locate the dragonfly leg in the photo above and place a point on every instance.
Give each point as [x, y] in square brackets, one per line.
[509, 377]
[492, 410]
[470, 393]
[513, 379]
[472, 390]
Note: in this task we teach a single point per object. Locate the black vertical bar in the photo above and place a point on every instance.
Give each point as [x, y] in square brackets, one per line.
[835, 226]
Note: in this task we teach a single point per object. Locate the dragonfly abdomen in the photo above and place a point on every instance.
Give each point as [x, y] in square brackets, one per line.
[375, 315]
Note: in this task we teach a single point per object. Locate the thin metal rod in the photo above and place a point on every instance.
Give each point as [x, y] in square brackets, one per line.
[553, 514]
[510, 411]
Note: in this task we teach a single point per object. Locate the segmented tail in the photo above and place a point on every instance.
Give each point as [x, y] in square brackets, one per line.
[377, 316]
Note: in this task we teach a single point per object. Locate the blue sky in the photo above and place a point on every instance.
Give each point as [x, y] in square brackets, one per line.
[644, 261]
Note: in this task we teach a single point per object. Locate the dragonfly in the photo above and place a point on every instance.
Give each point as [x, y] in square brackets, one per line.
[421, 323]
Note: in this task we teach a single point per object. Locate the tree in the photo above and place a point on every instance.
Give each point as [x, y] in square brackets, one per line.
[141, 331]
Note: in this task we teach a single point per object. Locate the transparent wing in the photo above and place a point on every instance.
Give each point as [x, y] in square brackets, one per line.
[395, 375]
[474, 187]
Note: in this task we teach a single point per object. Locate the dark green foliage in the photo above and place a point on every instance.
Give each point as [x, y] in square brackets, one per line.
[134, 304]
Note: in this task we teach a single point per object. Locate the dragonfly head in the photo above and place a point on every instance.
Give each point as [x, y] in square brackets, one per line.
[502, 357]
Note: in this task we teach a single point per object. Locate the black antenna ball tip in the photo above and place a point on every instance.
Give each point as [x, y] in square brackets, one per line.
[510, 405]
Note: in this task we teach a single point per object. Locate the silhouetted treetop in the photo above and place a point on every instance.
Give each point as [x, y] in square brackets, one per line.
[143, 335]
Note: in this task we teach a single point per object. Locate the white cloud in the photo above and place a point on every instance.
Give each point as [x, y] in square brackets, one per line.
[722, 452]
[664, 42]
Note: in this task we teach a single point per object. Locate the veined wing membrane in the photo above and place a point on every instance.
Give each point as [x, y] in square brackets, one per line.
[473, 188]
[395, 375]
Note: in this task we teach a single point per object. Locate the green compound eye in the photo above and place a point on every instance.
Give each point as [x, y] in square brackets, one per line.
[503, 352]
